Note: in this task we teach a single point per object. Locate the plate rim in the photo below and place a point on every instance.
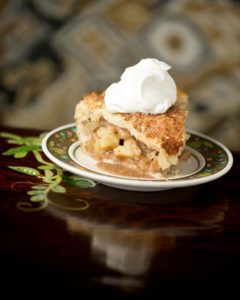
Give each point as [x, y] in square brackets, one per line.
[135, 182]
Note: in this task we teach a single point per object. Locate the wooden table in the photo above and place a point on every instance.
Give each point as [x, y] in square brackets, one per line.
[121, 243]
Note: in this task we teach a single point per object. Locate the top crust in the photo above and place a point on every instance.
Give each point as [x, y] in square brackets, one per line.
[157, 131]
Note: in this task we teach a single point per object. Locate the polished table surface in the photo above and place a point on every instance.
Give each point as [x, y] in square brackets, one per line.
[114, 242]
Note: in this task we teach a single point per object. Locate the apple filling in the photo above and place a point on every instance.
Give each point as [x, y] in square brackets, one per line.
[113, 144]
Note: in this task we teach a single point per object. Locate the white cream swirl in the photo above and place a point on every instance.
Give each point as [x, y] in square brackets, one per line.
[145, 87]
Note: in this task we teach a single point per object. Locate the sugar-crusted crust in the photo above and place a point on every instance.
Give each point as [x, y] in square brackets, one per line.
[92, 101]
[165, 130]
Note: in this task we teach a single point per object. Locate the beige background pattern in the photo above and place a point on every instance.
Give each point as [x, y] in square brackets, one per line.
[54, 52]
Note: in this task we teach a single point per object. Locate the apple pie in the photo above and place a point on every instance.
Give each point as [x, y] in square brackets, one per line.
[133, 144]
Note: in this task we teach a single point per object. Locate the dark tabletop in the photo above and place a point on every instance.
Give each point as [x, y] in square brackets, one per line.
[110, 241]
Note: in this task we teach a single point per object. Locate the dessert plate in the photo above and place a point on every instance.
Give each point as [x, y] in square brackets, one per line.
[209, 160]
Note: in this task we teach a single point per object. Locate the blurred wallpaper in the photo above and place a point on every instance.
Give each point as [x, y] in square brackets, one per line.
[53, 52]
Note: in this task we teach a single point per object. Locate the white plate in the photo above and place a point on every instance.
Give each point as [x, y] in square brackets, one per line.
[209, 160]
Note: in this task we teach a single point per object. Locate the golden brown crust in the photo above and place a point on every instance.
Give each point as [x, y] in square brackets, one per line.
[166, 128]
[161, 131]
[93, 100]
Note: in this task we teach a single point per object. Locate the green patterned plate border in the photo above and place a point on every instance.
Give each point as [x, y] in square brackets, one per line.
[218, 159]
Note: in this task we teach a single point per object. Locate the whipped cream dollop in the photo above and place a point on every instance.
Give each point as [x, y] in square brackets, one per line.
[145, 87]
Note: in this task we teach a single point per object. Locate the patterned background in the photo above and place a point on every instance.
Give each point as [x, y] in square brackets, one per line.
[52, 52]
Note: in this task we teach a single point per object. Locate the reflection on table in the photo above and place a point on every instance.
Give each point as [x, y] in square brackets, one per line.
[128, 237]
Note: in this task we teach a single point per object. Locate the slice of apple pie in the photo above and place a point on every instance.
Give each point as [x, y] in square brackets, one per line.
[134, 144]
